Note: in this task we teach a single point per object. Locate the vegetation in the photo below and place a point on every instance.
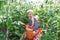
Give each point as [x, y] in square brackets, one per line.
[13, 17]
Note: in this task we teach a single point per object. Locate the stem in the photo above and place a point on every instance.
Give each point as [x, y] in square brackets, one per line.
[7, 34]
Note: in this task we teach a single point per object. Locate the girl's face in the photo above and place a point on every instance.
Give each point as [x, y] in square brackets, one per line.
[30, 14]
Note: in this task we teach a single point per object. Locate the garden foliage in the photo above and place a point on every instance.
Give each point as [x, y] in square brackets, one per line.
[15, 17]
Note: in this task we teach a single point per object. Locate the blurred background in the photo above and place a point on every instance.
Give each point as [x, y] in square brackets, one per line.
[13, 17]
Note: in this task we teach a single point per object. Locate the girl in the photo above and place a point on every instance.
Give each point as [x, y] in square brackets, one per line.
[33, 22]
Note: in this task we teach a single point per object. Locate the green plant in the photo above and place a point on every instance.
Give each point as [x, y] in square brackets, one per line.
[15, 18]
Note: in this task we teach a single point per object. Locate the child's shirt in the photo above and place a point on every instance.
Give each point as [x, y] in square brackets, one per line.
[35, 27]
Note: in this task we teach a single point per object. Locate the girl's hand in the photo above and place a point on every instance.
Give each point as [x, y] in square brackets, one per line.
[34, 32]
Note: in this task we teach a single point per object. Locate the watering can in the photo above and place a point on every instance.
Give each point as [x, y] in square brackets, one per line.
[30, 34]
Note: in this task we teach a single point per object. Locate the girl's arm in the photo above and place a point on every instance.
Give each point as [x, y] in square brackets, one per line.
[27, 27]
[32, 22]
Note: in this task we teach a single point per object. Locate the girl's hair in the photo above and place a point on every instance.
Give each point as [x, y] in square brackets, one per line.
[30, 11]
